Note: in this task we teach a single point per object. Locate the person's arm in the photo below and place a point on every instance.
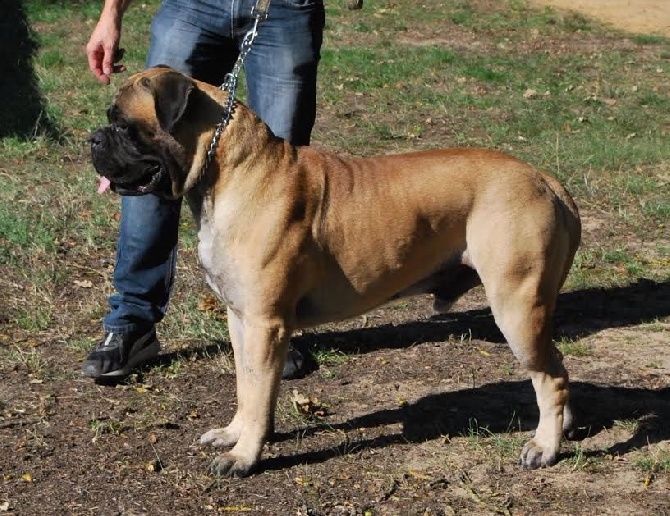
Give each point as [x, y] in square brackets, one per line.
[103, 46]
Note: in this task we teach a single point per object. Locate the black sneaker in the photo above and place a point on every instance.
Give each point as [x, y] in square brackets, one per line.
[296, 365]
[119, 353]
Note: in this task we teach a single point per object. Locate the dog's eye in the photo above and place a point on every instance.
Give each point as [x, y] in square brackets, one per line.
[120, 128]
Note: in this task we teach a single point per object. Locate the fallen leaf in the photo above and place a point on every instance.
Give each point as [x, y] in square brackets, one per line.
[298, 398]
[4, 506]
[27, 477]
[208, 304]
[310, 406]
[83, 283]
[419, 475]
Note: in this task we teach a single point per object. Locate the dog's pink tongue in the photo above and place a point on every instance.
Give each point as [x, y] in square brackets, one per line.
[104, 185]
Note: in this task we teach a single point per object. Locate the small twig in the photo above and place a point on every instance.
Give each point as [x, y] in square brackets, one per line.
[23, 422]
[104, 274]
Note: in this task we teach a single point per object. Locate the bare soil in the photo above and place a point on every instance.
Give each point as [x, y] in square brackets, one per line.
[424, 415]
[413, 414]
[640, 16]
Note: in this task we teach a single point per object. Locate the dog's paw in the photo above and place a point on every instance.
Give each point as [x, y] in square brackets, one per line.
[219, 437]
[535, 456]
[231, 465]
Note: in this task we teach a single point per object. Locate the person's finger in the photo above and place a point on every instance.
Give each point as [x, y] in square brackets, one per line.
[107, 62]
[94, 64]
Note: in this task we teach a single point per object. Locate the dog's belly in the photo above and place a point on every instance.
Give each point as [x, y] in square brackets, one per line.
[336, 299]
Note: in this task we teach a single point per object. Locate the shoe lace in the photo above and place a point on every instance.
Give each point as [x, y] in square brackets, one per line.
[109, 341]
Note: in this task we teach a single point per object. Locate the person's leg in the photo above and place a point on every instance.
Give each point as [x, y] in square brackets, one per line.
[188, 35]
[281, 69]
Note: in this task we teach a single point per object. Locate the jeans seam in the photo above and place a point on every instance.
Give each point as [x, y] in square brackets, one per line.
[234, 8]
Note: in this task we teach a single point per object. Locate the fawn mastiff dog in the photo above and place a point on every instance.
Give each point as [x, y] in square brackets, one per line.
[291, 237]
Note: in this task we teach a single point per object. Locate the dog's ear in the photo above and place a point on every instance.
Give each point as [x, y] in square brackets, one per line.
[171, 97]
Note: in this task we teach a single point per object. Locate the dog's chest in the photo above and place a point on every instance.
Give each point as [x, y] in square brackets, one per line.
[218, 265]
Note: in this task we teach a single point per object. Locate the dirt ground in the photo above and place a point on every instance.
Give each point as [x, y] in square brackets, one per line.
[643, 16]
[416, 414]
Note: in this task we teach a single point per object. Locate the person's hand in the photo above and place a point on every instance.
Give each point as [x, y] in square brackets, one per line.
[103, 49]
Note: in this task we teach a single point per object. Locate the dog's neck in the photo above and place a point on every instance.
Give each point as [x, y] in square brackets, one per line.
[245, 144]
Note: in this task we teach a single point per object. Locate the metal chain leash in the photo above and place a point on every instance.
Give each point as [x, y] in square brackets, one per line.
[259, 13]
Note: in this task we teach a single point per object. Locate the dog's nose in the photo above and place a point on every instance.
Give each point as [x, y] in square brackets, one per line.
[96, 139]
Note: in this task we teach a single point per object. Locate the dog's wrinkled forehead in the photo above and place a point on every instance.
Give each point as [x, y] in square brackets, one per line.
[135, 102]
[154, 99]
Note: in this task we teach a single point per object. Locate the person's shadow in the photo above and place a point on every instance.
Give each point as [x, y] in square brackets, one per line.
[23, 110]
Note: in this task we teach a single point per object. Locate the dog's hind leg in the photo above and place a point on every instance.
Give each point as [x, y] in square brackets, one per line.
[524, 317]
[522, 290]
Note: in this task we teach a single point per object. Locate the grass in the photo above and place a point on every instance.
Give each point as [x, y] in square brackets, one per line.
[598, 122]
[506, 446]
[573, 348]
[657, 461]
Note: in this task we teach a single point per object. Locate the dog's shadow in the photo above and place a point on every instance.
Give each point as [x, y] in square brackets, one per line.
[510, 406]
[578, 314]
[498, 408]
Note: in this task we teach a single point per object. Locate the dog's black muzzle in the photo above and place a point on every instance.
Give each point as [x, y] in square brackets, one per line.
[130, 169]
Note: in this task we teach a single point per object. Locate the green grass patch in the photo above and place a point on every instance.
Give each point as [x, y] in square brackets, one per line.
[654, 461]
[649, 39]
[573, 348]
[506, 446]
[20, 235]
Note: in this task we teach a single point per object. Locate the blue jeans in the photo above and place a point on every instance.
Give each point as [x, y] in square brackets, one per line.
[201, 38]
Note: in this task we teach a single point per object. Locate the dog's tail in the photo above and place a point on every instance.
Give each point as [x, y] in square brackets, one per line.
[570, 218]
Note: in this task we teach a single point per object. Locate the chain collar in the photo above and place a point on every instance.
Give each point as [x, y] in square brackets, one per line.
[260, 13]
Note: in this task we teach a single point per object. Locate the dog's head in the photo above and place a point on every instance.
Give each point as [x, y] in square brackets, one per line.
[149, 144]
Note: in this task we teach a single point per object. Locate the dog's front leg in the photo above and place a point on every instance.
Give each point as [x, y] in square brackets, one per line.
[228, 436]
[260, 347]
